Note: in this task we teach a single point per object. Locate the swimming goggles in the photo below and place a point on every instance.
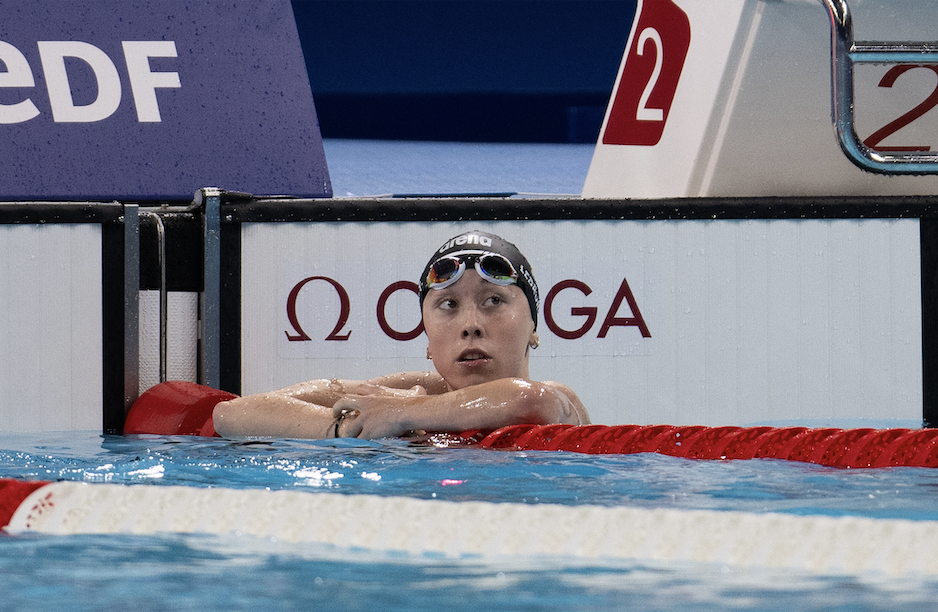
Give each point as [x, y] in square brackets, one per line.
[490, 266]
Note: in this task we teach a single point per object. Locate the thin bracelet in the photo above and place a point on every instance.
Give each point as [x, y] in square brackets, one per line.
[338, 421]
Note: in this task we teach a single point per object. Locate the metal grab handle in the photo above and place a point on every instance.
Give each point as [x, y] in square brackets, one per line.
[844, 54]
[164, 293]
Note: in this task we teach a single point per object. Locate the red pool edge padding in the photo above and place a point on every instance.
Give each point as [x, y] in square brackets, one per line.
[184, 408]
[175, 408]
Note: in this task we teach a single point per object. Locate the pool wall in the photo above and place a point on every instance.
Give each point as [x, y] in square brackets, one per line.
[682, 321]
[683, 312]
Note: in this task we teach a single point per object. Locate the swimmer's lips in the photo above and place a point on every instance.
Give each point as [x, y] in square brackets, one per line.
[471, 357]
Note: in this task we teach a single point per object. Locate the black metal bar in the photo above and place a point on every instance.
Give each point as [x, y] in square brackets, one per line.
[230, 311]
[113, 319]
[59, 212]
[929, 254]
[183, 251]
[263, 210]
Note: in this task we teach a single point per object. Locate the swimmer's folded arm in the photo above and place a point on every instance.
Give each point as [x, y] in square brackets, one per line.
[486, 406]
[304, 410]
[293, 412]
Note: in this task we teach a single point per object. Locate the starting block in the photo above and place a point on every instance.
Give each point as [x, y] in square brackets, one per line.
[758, 98]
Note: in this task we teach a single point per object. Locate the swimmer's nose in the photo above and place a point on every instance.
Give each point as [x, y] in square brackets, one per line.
[473, 331]
[471, 325]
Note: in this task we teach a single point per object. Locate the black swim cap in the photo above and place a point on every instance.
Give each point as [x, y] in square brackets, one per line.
[476, 242]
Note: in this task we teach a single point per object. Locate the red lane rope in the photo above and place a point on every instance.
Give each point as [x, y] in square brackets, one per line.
[843, 448]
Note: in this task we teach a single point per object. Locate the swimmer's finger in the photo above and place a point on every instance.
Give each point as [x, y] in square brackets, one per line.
[344, 404]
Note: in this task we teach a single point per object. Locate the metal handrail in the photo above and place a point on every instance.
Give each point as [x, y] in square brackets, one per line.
[845, 52]
[164, 292]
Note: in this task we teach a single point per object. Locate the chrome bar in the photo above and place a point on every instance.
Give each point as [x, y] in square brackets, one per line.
[209, 200]
[844, 54]
[131, 305]
[897, 53]
[164, 296]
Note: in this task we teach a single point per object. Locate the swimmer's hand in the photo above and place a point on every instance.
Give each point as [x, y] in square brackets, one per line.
[381, 415]
[381, 406]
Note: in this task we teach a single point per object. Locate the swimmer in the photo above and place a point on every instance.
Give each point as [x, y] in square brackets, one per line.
[479, 302]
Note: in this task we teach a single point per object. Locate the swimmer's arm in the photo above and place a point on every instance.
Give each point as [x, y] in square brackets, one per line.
[325, 391]
[273, 415]
[581, 414]
[289, 413]
[430, 380]
[486, 406]
[305, 410]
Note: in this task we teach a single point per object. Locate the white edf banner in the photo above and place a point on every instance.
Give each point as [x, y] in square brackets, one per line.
[681, 322]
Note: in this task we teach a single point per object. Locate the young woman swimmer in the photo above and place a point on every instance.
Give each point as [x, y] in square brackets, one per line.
[479, 302]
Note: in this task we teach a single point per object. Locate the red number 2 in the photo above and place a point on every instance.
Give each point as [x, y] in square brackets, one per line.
[650, 76]
[891, 128]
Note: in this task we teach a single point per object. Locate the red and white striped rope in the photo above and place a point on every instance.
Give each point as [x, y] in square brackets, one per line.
[844, 545]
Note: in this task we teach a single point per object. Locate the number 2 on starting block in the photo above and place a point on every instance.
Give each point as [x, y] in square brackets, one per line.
[659, 42]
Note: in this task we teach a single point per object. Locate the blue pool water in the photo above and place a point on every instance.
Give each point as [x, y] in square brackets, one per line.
[192, 572]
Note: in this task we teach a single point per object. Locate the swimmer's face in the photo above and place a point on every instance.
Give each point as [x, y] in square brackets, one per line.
[478, 331]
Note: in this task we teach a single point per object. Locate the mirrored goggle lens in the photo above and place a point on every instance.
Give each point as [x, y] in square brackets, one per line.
[496, 269]
[445, 272]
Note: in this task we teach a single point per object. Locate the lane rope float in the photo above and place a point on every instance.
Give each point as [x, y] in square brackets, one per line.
[842, 448]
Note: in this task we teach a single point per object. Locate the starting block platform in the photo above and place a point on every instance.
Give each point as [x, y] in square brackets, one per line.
[781, 98]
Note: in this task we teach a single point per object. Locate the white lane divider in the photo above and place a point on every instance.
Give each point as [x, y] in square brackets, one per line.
[807, 543]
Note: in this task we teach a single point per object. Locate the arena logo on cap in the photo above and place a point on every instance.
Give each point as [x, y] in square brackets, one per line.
[467, 239]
